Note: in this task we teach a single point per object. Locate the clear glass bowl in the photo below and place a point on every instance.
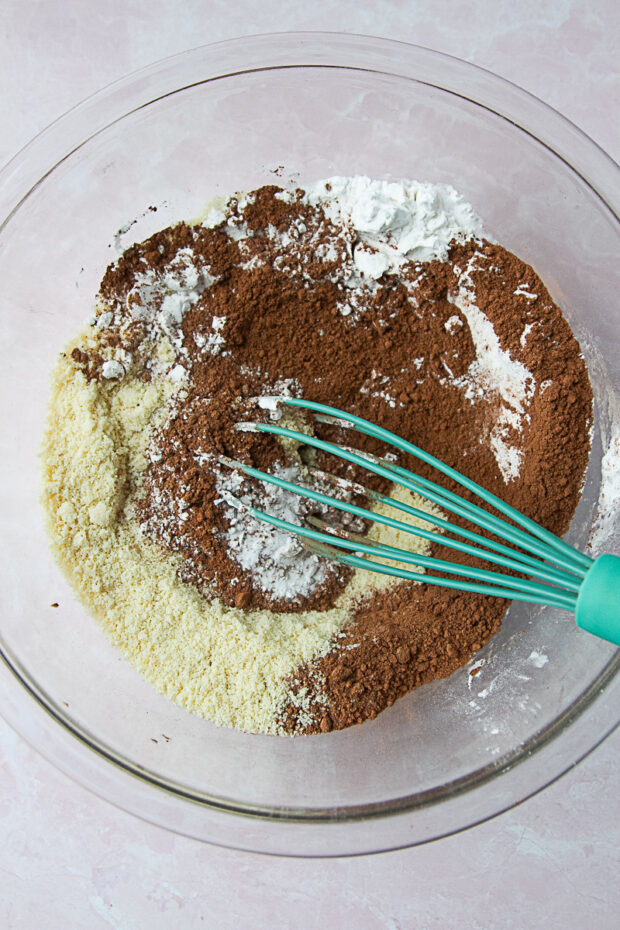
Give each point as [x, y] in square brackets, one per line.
[212, 121]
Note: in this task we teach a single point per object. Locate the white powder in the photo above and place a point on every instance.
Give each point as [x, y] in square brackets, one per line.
[215, 341]
[370, 263]
[402, 220]
[376, 386]
[527, 329]
[177, 374]
[269, 403]
[523, 290]
[494, 371]
[453, 324]
[163, 299]
[104, 320]
[278, 562]
[112, 369]
[606, 523]
[538, 659]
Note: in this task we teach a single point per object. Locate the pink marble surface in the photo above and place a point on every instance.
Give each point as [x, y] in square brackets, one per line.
[70, 860]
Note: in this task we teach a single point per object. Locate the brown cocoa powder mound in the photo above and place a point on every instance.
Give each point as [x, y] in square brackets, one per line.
[401, 639]
[283, 321]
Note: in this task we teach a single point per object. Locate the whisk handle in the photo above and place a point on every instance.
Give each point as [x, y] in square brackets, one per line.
[598, 601]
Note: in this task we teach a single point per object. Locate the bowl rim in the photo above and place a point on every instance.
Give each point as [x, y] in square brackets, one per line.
[58, 142]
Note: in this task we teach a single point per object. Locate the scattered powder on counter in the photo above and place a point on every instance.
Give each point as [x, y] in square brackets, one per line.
[381, 298]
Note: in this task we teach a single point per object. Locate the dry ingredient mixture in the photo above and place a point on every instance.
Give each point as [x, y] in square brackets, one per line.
[380, 298]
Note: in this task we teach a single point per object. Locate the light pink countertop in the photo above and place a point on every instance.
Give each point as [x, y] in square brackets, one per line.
[69, 860]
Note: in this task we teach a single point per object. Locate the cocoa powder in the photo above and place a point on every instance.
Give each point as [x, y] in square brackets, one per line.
[282, 307]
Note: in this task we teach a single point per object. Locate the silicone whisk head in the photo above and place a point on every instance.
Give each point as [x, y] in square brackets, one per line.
[544, 569]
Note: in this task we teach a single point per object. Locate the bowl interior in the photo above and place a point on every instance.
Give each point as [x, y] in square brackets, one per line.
[176, 153]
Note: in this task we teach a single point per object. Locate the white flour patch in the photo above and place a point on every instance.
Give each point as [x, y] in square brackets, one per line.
[494, 371]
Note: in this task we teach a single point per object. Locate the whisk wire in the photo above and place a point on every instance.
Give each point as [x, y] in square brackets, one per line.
[428, 489]
[550, 598]
[472, 512]
[323, 543]
[522, 562]
[539, 570]
[370, 429]
[358, 543]
[526, 561]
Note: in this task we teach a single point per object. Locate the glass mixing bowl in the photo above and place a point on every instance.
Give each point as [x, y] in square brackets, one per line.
[206, 123]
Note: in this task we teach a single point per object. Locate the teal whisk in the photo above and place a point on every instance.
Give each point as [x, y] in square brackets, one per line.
[556, 574]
